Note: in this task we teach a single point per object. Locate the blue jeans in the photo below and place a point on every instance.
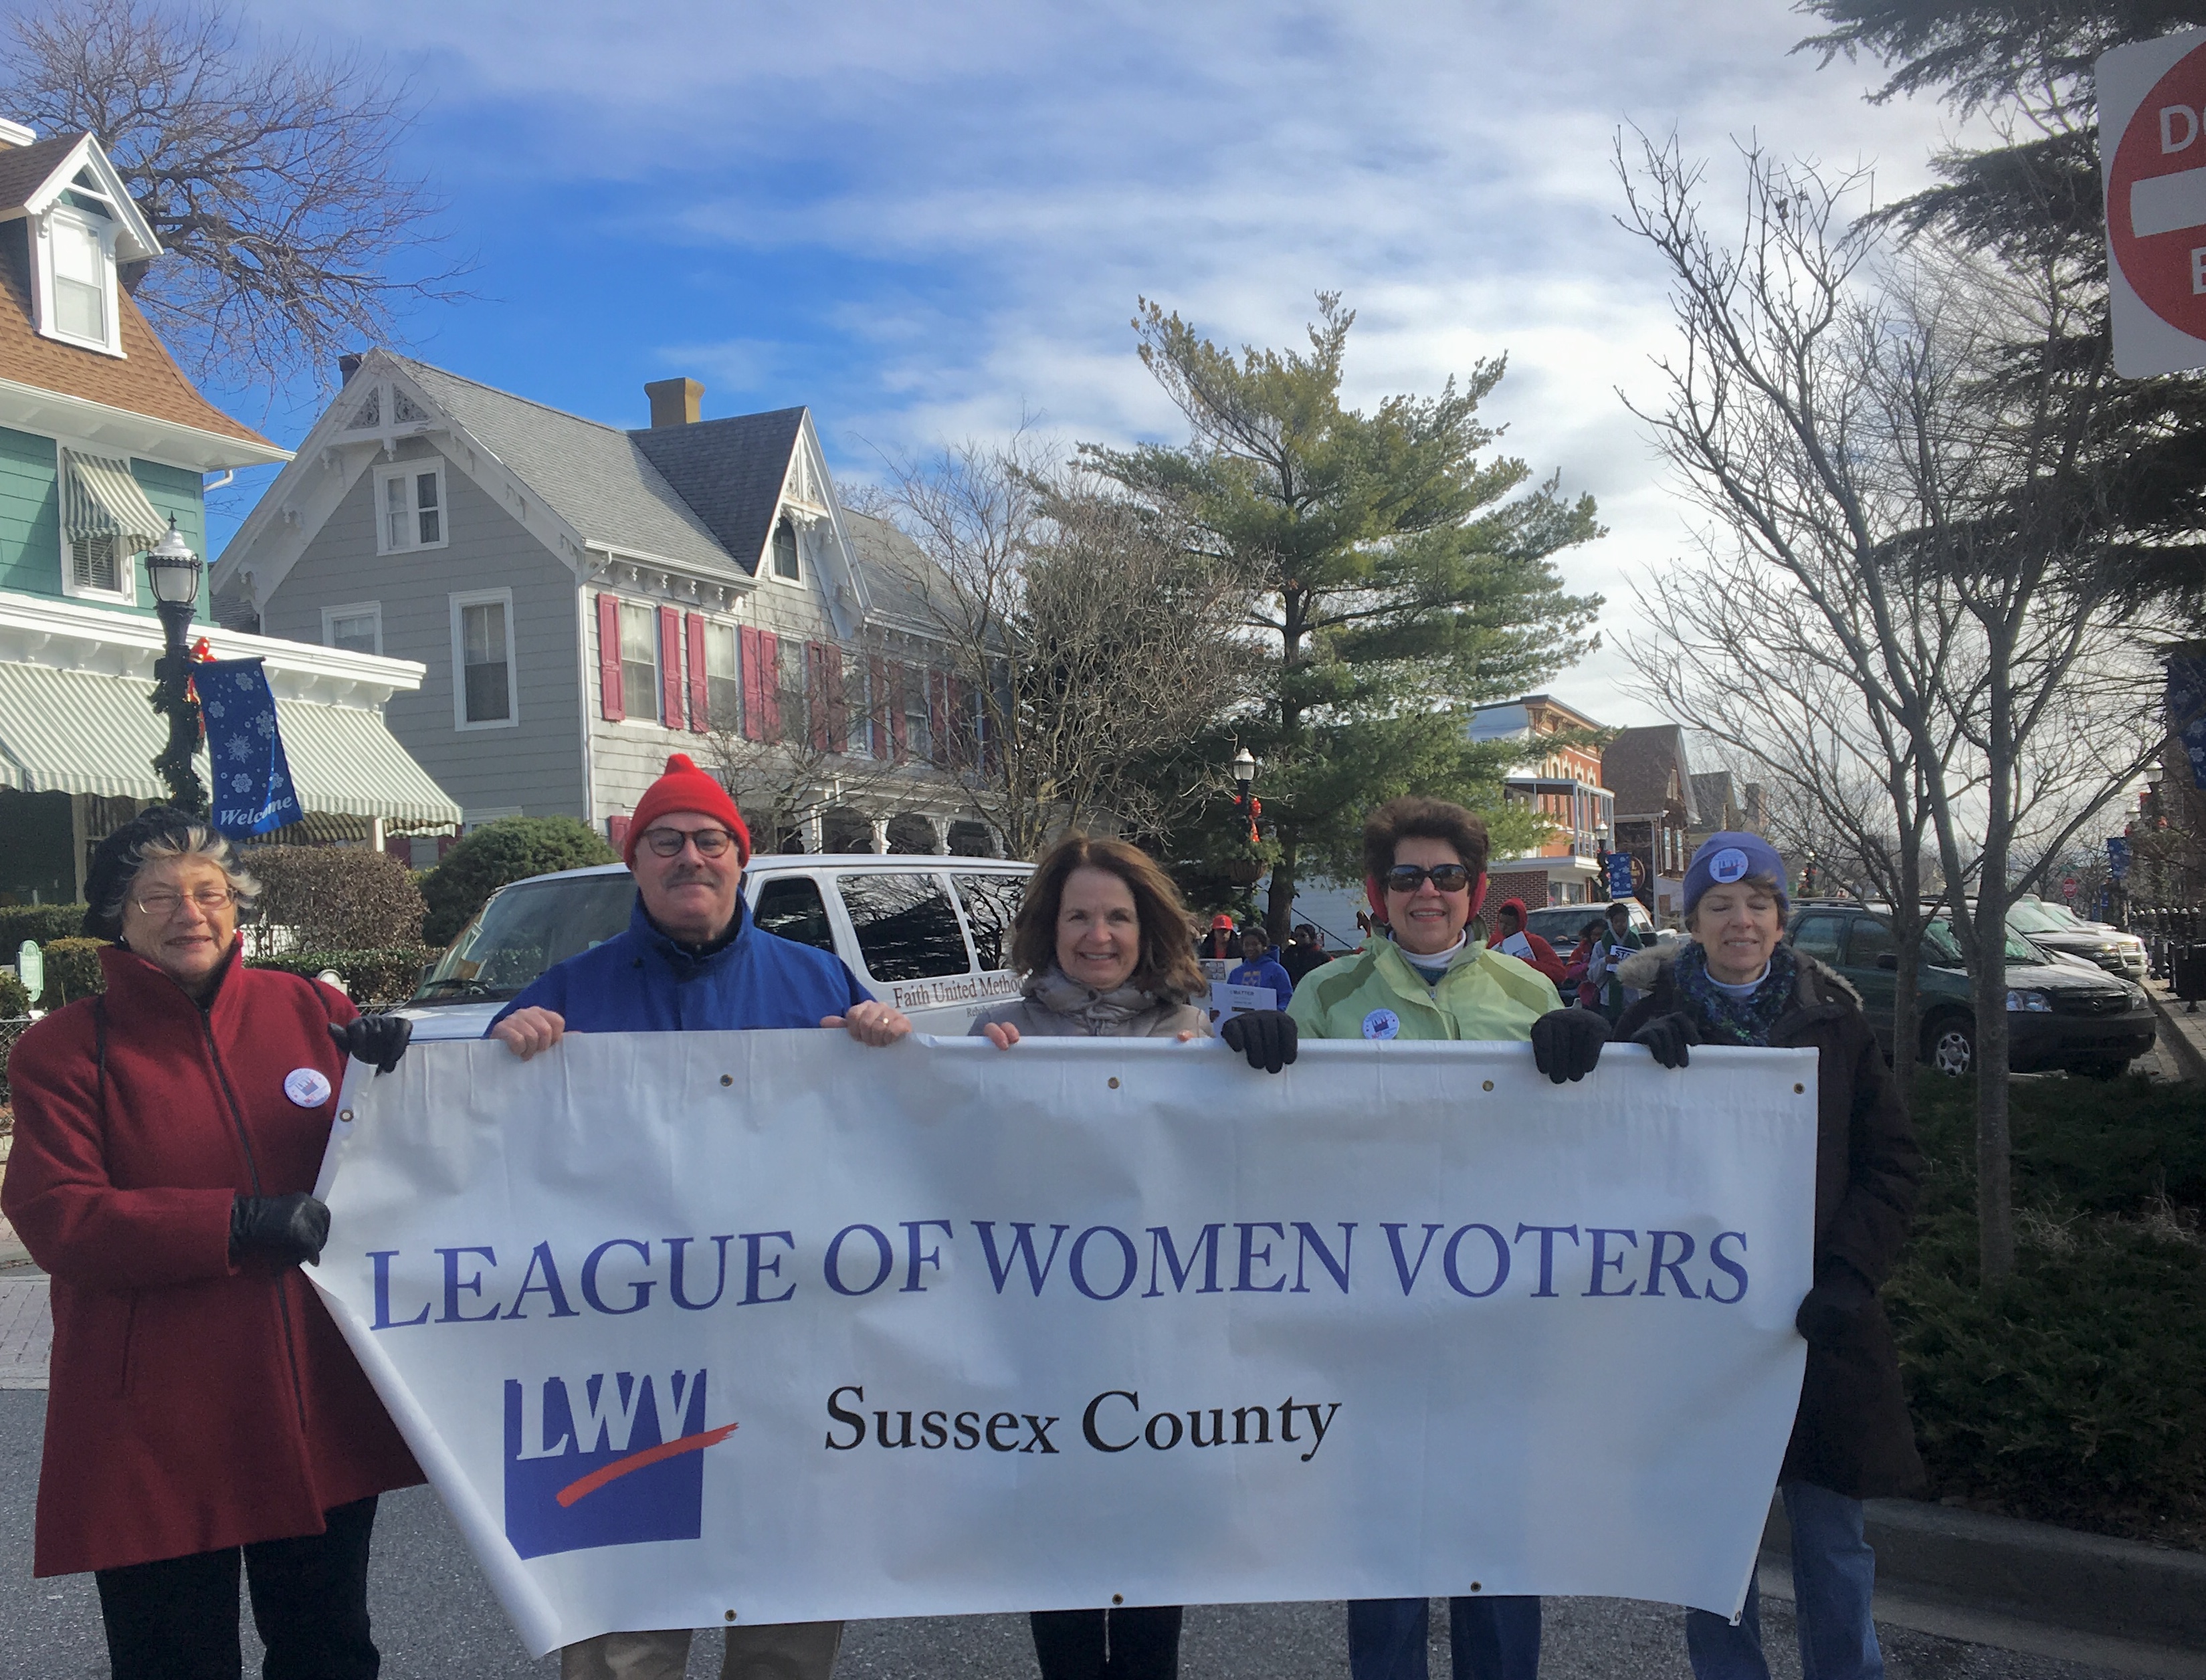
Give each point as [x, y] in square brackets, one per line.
[1834, 1572]
[1488, 1638]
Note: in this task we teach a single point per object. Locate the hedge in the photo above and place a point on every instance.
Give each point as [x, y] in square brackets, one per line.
[388, 975]
[14, 997]
[37, 922]
[72, 971]
[338, 897]
[511, 849]
[2075, 1390]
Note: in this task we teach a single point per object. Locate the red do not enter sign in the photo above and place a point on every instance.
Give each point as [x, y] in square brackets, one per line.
[2157, 197]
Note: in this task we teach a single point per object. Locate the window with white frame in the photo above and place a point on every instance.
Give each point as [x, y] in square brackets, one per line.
[483, 691]
[858, 705]
[357, 628]
[84, 278]
[918, 718]
[786, 563]
[639, 653]
[409, 501]
[724, 676]
[96, 564]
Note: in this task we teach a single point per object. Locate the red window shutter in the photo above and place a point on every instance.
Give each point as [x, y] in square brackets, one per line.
[747, 643]
[770, 685]
[670, 667]
[937, 714]
[609, 704]
[838, 714]
[700, 697]
[616, 831]
[898, 676]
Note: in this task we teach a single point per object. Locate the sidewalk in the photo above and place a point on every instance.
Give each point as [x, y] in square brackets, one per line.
[2182, 1036]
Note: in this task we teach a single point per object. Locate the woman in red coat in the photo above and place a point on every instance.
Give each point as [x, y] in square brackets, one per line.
[204, 1405]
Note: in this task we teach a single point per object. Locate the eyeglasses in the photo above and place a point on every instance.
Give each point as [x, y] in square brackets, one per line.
[1407, 878]
[163, 905]
[669, 842]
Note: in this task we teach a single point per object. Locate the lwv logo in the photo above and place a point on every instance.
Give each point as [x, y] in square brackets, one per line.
[606, 1460]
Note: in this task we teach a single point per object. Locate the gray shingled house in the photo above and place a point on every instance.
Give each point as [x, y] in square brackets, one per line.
[588, 600]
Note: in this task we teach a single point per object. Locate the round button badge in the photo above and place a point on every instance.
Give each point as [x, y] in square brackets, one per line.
[1382, 1024]
[1727, 865]
[307, 1088]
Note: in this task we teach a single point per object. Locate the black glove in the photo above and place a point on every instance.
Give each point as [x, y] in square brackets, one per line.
[289, 1230]
[1666, 1036]
[377, 1040]
[1268, 1038]
[1829, 1309]
[1566, 1043]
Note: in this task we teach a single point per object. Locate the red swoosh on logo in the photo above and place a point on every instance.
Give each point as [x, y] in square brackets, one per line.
[585, 1486]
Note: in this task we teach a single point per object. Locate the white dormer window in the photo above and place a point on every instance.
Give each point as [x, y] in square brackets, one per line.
[409, 500]
[77, 246]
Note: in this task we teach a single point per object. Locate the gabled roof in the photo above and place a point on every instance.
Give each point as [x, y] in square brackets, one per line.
[1636, 767]
[1713, 795]
[594, 476]
[143, 380]
[894, 568]
[730, 472]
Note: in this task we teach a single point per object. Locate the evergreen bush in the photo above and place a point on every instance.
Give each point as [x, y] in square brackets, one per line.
[511, 849]
[72, 971]
[2074, 1392]
[15, 996]
[337, 897]
[387, 975]
[37, 923]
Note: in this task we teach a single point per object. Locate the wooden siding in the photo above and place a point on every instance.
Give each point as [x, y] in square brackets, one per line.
[536, 767]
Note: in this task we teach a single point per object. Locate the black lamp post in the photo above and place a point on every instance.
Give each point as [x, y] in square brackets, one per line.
[1244, 777]
[173, 570]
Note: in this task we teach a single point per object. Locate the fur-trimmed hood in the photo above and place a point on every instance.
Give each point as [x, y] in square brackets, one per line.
[1647, 971]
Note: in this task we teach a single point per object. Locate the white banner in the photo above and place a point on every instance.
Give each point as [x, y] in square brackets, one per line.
[690, 1329]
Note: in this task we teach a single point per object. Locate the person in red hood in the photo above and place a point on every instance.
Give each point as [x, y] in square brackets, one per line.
[1513, 936]
[203, 1404]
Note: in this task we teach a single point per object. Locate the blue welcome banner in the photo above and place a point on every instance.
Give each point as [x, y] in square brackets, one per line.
[251, 778]
[2187, 710]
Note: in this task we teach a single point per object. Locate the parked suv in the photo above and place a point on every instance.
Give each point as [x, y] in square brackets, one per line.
[930, 935]
[2059, 929]
[2060, 1015]
[1559, 924]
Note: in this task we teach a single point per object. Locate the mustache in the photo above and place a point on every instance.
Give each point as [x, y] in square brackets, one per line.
[690, 873]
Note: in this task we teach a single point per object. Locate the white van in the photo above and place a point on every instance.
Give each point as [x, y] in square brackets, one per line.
[929, 935]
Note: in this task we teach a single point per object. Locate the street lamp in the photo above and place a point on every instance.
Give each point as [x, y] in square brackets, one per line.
[173, 571]
[1244, 775]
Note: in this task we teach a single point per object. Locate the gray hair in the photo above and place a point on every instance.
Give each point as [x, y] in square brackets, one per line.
[116, 867]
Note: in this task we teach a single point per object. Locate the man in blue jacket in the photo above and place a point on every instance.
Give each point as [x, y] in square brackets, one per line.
[692, 962]
[1258, 967]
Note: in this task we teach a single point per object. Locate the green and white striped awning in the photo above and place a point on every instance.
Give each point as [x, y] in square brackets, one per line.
[100, 498]
[79, 731]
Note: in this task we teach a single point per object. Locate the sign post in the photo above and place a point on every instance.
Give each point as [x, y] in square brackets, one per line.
[2152, 158]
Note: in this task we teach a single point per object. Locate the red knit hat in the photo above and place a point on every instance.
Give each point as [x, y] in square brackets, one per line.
[686, 788]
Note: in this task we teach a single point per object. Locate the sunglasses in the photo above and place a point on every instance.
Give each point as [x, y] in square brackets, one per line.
[1406, 878]
[669, 842]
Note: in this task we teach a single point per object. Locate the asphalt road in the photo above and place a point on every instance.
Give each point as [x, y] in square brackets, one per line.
[435, 1619]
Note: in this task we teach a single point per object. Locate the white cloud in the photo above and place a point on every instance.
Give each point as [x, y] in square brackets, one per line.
[1447, 165]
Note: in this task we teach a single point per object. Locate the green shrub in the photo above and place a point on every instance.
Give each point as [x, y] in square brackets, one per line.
[338, 897]
[15, 996]
[72, 971]
[511, 849]
[2075, 1392]
[36, 923]
[387, 975]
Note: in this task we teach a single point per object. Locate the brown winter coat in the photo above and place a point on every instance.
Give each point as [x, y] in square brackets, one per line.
[1852, 1434]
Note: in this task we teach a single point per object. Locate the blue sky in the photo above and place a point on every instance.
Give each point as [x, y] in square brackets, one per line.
[924, 222]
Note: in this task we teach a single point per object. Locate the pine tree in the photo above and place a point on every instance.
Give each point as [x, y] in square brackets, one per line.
[1401, 573]
[2135, 488]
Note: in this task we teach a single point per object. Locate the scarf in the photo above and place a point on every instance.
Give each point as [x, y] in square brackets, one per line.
[1098, 1010]
[1723, 1020]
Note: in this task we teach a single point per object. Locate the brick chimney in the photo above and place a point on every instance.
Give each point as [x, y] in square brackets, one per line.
[14, 135]
[347, 366]
[673, 402]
